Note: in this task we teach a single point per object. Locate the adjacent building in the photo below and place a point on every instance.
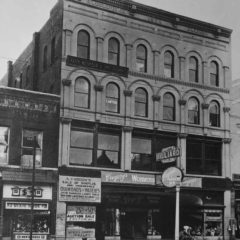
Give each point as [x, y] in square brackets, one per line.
[133, 81]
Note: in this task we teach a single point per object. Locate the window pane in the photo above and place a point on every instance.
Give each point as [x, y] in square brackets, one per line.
[107, 158]
[81, 100]
[28, 138]
[80, 156]
[108, 142]
[83, 38]
[167, 71]
[168, 113]
[141, 60]
[168, 100]
[82, 85]
[141, 52]
[214, 115]
[140, 65]
[27, 157]
[82, 92]
[141, 145]
[82, 52]
[81, 139]
[111, 105]
[113, 45]
[113, 58]
[140, 109]
[4, 138]
[112, 90]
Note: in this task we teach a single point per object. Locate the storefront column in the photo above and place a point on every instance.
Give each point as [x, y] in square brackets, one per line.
[126, 150]
[156, 62]
[156, 100]
[60, 221]
[65, 132]
[67, 42]
[227, 214]
[182, 144]
[128, 106]
[182, 68]
[99, 56]
[129, 55]
[205, 107]
[98, 101]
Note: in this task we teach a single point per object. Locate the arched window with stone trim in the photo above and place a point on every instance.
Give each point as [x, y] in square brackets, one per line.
[168, 107]
[141, 58]
[82, 93]
[169, 64]
[141, 102]
[214, 114]
[214, 73]
[193, 69]
[193, 111]
[83, 44]
[113, 51]
[112, 98]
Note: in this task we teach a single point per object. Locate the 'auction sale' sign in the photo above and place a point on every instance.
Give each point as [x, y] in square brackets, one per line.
[81, 214]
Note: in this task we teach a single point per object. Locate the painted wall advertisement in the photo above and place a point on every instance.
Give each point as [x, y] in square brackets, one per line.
[81, 214]
[80, 233]
[79, 189]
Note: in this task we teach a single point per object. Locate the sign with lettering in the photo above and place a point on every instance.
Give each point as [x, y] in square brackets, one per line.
[80, 233]
[192, 182]
[26, 205]
[79, 189]
[172, 176]
[27, 237]
[168, 154]
[81, 214]
[25, 192]
[128, 178]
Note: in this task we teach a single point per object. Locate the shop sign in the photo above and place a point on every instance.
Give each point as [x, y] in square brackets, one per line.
[27, 237]
[81, 214]
[80, 232]
[25, 192]
[128, 178]
[26, 205]
[172, 176]
[192, 182]
[79, 189]
[168, 155]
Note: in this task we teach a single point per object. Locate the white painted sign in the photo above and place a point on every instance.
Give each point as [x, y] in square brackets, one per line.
[80, 232]
[79, 189]
[26, 205]
[192, 182]
[168, 154]
[81, 214]
[27, 237]
[172, 176]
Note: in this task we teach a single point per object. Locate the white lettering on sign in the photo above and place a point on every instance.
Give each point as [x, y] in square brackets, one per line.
[26, 205]
[81, 214]
[79, 189]
[132, 178]
[80, 232]
[192, 182]
[172, 176]
[168, 154]
[27, 237]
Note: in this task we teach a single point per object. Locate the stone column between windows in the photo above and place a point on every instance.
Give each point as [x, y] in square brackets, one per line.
[182, 104]
[65, 132]
[182, 68]
[156, 62]
[129, 55]
[227, 213]
[98, 101]
[67, 42]
[205, 79]
[99, 51]
[61, 220]
[226, 111]
[128, 105]
[182, 144]
[66, 95]
[126, 149]
[226, 77]
[205, 107]
[226, 164]
[156, 100]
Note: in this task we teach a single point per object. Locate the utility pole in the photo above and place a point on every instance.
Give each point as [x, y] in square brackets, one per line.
[33, 186]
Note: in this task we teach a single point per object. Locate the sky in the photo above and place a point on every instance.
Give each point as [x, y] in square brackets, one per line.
[19, 19]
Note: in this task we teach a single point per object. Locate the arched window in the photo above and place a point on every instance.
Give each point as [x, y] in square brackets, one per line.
[45, 50]
[82, 93]
[169, 64]
[141, 58]
[141, 102]
[193, 69]
[214, 114]
[214, 74]
[168, 107]
[193, 111]
[112, 98]
[83, 44]
[113, 51]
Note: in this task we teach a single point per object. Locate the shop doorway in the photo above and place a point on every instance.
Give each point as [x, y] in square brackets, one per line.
[133, 224]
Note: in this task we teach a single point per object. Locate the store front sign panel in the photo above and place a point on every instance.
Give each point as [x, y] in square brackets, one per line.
[79, 189]
[81, 214]
[26, 205]
[79, 233]
[192, 182]
[128, 178]
[27, 237]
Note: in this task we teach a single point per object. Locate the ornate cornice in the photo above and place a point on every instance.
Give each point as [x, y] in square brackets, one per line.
[205, 105]
[66, 82]
[182, 102]
[156, 98]
[127, 93]
[226, 109]
[98, 88]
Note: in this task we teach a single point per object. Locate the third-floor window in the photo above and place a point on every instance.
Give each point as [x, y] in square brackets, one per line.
[113, 51]
[141, 102]
[82, 93]
[141, 58]
[193, 69]
[83, 44]
[168, 64]
[112, 98]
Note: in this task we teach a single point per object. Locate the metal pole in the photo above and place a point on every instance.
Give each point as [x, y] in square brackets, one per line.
[177, 212]
[33, 186]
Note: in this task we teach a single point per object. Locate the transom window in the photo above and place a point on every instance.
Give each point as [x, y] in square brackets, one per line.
[83, 44]
[193, 111]
[4, 144]
[193, 69]
[82, 93]
[112, 98]
[168, 64]
[113, 51]
[141, 61]
[28, 143]
[141, 102]
[214, 114]
[214, 74]
[168, 107]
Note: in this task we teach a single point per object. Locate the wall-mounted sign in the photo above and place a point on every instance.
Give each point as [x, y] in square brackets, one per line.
[27, 237]
[79, 189]
[128, 178]
[80, 233]
[25, 192]
[192, 182]
[81, 214]
[26, 205]
[168, 154]
[172, 176]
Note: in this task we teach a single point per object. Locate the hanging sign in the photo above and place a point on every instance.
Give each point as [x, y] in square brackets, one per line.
[172, 176]
[169, 154]
[81, 214]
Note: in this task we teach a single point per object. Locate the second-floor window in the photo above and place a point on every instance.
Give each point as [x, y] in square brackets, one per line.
[214, 74]
[214, 114]
[83, 44]
[113, 51]
[168, 64]
[141, 102]
[28, 144]
[193, 111]
[193, 69]
[82, 93]
[168, 107]
[141, 58]
[45, 52]
[4, 144]
[112, 98]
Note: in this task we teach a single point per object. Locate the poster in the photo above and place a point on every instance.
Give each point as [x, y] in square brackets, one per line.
[81, 214]
[80, 232]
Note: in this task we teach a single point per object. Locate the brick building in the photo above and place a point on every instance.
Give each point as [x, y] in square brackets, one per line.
[134, 80]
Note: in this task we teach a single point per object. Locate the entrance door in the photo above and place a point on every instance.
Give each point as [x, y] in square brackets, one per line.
[133, 225]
